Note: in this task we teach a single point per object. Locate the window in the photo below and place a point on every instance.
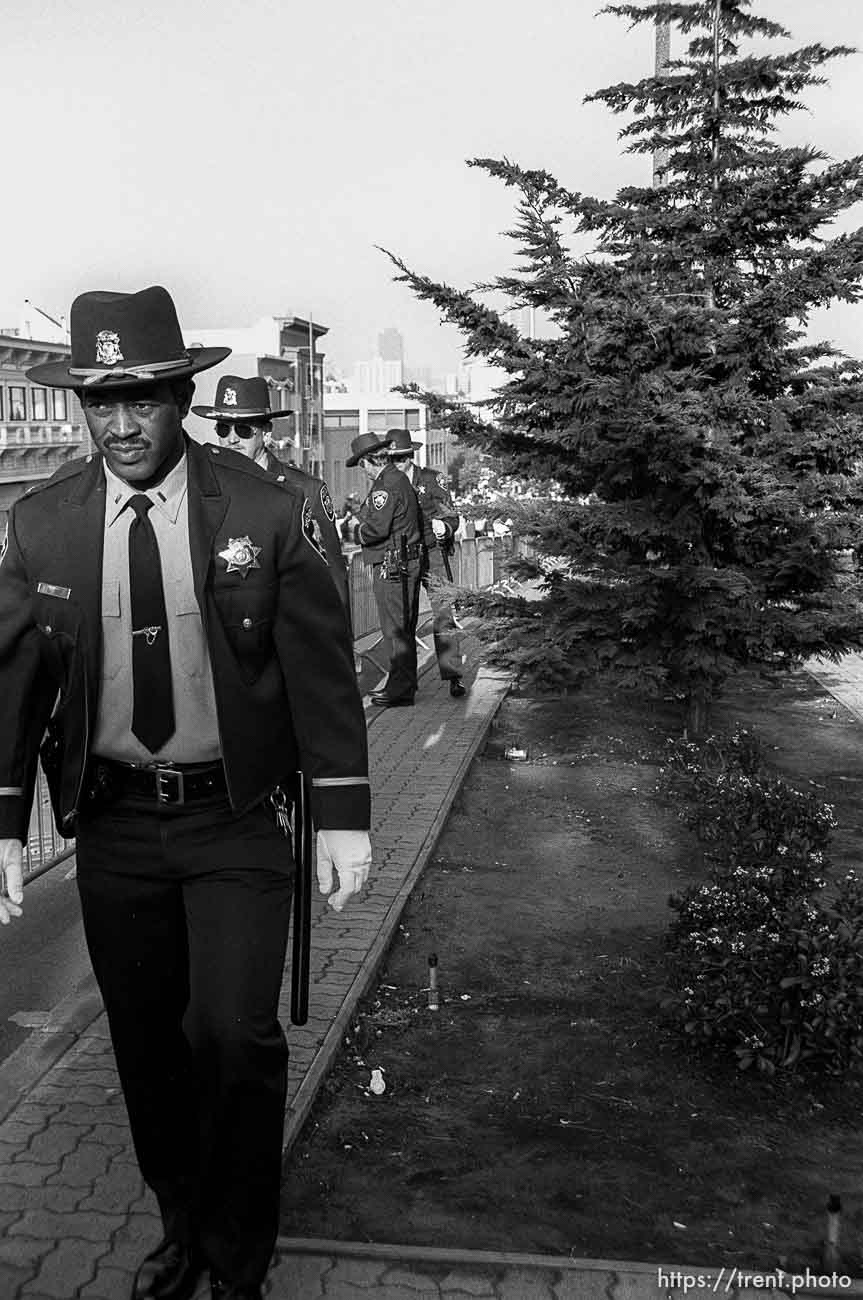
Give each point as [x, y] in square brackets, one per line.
[412, 419]
[380, 421]
[1, 403]
[342, 420]
[17, 404]
[58, 401]
[38, 396]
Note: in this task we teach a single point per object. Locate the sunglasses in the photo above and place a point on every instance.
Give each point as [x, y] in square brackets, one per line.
[224, 428]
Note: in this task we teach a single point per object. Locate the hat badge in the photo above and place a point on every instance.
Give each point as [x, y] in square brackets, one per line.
[108, 348]
[230, 397]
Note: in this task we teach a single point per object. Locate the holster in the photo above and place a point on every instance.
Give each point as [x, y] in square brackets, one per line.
[50, 755]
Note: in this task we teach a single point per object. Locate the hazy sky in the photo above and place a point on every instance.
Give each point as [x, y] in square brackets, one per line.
[250, 156]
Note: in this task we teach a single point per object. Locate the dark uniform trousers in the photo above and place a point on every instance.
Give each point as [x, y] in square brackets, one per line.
[398, 636]
[188, 947]
[447, 638]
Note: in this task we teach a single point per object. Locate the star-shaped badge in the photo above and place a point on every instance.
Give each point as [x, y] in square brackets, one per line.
[240, 555]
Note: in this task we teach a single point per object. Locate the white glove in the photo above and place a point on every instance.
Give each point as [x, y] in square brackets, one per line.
[438, 527]
[11, 880]
[350, 852]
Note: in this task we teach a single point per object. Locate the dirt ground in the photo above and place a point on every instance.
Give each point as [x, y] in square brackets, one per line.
[544, 1107]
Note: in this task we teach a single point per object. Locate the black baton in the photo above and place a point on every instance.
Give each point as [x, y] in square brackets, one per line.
[403, 565]
[302, 903]
[444, 550]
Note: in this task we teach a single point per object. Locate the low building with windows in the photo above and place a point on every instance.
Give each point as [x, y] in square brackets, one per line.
[40, 428]
[347, 415]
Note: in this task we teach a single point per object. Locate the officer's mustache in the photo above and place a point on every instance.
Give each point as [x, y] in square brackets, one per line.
[135, 440]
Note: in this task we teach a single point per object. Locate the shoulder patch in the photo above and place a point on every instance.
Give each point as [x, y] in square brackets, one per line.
[379, 499]
[312, 531]
[327, 503]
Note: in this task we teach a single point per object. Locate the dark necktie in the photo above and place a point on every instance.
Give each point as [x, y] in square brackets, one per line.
[153, 708]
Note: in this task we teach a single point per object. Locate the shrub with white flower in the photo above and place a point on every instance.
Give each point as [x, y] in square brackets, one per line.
[763, 969]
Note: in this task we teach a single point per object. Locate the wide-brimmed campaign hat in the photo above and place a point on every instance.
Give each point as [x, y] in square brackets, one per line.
[240, 399]
[366, 444]
[399, 441]
[119, 339]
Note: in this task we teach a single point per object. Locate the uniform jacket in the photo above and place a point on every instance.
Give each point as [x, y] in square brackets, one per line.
[282, 660]
[323, 512]
[435, 502]
[389, 512]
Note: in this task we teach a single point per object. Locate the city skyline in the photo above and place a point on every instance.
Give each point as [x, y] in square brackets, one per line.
[264, 184]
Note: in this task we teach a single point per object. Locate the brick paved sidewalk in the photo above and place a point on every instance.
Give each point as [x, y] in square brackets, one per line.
[75, 1217]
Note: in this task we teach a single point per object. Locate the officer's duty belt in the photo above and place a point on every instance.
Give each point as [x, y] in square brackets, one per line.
[164, 783]
[412, 552]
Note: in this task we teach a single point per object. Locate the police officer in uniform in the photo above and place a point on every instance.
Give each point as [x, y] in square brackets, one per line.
[171, 628]
[439, 519]
[243, 419]
[389, 533]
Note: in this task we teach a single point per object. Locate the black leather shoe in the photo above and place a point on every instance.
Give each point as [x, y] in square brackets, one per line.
[170, 1272]
[457, 688]
[220, 1290]
[384, 701]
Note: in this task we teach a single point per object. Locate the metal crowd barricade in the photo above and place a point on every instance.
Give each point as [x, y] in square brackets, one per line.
[364, 611]
[476, 562]
[45, 848]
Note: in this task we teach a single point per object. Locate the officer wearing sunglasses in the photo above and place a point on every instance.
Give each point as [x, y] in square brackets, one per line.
[243, 419]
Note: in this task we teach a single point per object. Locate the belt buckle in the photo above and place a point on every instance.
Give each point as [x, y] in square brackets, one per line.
[164, 794]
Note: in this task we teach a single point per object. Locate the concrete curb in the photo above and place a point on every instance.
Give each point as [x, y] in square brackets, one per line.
[44, 1047]
[447, 1255]
[298, 1110]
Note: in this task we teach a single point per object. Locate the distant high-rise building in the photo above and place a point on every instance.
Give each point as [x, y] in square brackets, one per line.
[391, 346]
[377, 375]
[524, 320]
[421, 375]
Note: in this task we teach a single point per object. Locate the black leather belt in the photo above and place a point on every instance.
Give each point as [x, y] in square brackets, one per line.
[164, 783]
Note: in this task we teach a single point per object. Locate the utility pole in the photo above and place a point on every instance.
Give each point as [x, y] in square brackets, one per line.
[312, 458]
[663, 56]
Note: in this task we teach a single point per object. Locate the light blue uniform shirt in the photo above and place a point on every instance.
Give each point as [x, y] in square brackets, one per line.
[196, 738]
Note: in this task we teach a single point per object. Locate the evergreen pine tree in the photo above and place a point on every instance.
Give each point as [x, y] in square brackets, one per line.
[708, 451]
